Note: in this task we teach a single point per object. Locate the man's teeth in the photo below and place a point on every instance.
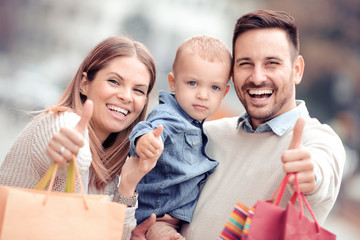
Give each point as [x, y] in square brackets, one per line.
[260, 91]
[117, 109]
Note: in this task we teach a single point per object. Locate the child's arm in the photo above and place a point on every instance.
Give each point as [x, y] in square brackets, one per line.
[150, 143]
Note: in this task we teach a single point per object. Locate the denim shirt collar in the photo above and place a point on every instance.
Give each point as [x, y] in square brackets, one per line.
[279, 125]
[169, 98]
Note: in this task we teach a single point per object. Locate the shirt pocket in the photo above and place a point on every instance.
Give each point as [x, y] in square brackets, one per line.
[192, 148]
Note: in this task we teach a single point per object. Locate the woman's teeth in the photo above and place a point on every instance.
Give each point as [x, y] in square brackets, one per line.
[117, 109]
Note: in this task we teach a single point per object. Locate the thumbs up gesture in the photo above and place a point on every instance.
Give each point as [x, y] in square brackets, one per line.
[68, 141]
[298, 160]
[149, 148]
[150, 144]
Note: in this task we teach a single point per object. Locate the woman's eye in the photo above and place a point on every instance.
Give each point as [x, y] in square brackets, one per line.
[142, 92]
[113, 81]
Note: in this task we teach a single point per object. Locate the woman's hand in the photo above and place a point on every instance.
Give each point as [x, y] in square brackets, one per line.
[136, 168]
[68, 141]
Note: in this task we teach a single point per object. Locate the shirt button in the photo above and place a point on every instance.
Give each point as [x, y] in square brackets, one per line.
[193, 143]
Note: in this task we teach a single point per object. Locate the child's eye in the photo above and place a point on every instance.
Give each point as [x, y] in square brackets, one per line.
[192, 83]
[215, 88]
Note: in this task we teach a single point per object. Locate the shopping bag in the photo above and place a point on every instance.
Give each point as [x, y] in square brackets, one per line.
[298, 227]
[239, 223]
[269, 221]
[268, 216]
[38, 214]
[235, 224]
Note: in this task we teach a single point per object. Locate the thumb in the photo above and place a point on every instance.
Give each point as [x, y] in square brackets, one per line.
[157, 132]
[85, 116]
[297, 134]
[143, 227]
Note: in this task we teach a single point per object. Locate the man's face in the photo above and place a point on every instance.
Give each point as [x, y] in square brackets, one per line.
[265, 73]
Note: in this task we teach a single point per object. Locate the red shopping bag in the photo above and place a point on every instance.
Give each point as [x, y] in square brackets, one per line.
[272, 222]
[298, 227]
[239, 223]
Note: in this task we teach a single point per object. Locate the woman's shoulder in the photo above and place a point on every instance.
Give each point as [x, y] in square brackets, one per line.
[60, 119]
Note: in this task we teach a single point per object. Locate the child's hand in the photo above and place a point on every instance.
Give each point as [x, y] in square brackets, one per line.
[136, 168]
[149, 145]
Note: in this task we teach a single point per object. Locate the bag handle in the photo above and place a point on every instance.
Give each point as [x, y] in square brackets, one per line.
[70, 182]
[300, 196]
[70, 186]
[280, 191]
[297, 195]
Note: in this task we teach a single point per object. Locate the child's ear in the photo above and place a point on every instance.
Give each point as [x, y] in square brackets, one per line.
[84, 84]
[227, 90]
[171, 80]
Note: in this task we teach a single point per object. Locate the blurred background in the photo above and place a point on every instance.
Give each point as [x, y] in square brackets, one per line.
[42, 43]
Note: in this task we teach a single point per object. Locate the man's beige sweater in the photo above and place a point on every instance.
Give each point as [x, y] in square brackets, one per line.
[250, 169]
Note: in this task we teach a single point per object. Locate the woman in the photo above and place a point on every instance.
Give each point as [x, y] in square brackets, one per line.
[117, 76]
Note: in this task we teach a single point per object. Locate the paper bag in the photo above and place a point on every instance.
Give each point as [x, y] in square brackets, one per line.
[36, 214]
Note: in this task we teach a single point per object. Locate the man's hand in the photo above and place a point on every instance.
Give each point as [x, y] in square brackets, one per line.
[139, 232]
[298, 160]
[150, 144]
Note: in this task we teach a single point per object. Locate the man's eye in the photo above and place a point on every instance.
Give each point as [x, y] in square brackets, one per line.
[244, 64]
[273, 63]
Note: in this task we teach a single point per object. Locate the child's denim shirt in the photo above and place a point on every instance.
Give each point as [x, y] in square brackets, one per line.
[173, 186]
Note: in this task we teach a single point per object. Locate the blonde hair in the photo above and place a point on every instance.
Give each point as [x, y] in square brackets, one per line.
[109, 157]
[208, 48]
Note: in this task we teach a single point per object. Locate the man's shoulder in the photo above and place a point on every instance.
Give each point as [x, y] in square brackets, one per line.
[221, 123]
[215, 128]
[313, 127]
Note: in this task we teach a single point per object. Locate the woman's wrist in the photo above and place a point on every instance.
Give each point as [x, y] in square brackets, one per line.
[128, 201]
[125, 189]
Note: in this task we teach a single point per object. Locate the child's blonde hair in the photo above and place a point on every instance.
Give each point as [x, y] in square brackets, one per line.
[208, 48]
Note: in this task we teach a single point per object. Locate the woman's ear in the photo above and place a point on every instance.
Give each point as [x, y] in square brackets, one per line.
[171, 80]
[84, 84]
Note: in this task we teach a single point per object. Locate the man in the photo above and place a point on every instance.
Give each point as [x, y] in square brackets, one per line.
[253, 150]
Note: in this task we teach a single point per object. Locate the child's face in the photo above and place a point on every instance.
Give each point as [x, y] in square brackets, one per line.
[199, 85]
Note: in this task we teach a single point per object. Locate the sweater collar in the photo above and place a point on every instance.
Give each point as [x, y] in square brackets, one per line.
[279, 125]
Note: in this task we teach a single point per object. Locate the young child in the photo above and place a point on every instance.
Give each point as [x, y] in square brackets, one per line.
[198, 83]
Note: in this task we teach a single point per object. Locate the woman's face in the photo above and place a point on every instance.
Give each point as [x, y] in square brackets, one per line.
[119, 93]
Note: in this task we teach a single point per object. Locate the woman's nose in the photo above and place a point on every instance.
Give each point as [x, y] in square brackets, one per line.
[125, 95]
